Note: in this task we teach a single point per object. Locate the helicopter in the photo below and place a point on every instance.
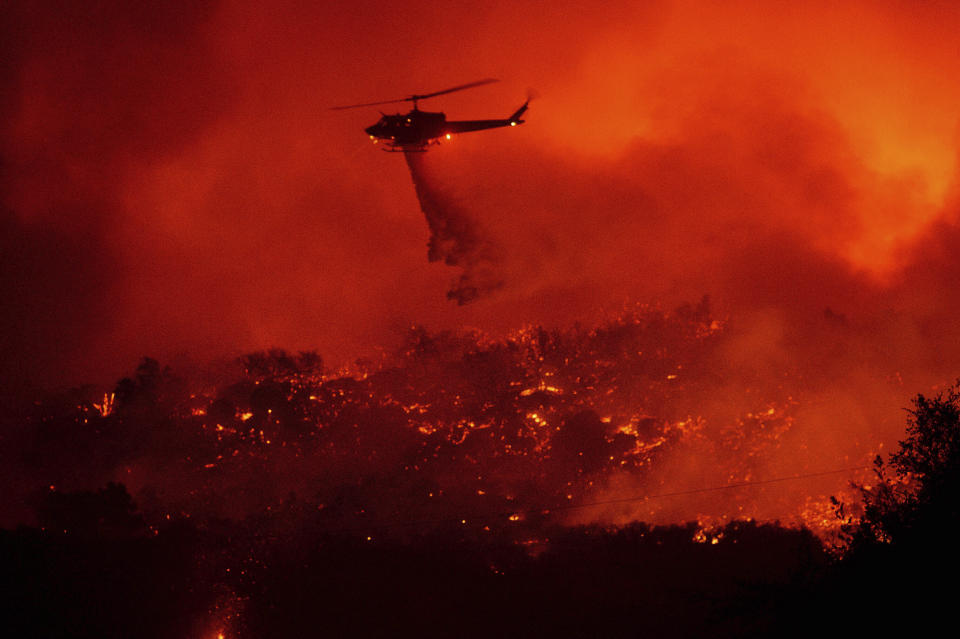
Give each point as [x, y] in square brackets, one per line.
[417, 130]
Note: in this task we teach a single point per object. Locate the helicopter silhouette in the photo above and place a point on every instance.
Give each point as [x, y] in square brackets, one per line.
[417, 130]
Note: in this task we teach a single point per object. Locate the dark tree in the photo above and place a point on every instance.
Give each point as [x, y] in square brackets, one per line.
[107, 513]
[916, 502]
[902, 553]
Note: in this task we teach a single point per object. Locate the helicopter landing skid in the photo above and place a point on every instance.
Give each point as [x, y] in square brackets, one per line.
[409, 148]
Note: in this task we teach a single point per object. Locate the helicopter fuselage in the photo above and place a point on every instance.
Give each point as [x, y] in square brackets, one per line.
[416, 130]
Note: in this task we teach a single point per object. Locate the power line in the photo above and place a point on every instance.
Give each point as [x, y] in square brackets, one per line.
[605, 502]
[695, 491]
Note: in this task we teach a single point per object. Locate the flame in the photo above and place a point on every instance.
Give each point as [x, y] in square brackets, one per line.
[543, 387]
[107, 406]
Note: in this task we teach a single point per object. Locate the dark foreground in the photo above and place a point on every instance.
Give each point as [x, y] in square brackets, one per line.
[114, 576]
[245, 580]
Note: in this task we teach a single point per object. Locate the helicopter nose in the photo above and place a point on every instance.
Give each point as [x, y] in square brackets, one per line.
[371, 130]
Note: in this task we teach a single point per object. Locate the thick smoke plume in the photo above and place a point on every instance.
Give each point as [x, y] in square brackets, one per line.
[456, 237]
[172, 185]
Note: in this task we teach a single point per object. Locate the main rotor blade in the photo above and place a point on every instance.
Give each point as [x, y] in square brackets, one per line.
[419, 97]
[365, 104]
[456, 88]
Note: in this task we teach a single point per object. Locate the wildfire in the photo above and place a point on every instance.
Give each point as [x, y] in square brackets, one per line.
[612, 425]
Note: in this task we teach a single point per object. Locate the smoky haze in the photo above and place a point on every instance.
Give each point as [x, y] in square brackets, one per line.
[174, 186]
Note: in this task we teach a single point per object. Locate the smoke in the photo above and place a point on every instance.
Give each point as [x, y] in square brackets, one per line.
[832, 306]
[455, 236]
[90, 95]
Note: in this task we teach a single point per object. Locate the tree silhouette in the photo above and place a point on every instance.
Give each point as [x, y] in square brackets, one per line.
[906, 534]
[916, 501]
[107, 513]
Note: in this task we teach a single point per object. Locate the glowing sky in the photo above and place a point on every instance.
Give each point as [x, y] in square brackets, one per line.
[174, 183]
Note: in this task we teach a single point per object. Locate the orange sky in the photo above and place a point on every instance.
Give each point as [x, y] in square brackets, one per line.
[175, 185]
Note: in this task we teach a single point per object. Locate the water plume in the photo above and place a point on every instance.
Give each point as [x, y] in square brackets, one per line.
[455, 237]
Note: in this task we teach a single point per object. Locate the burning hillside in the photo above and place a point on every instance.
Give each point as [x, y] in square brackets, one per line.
[632, 419]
